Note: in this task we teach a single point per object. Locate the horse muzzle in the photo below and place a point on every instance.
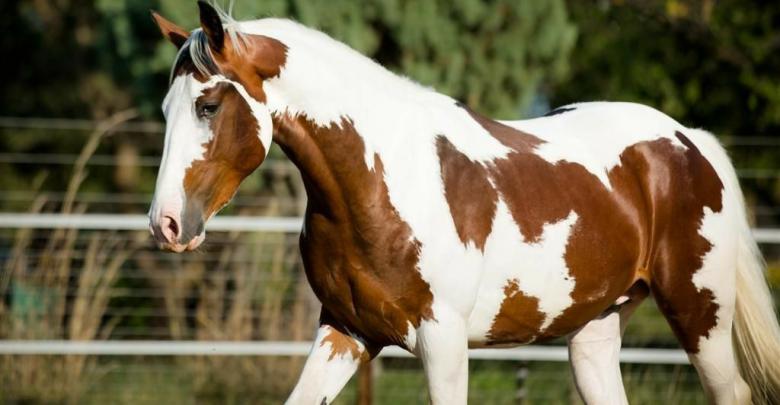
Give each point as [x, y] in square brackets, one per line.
[172, 234]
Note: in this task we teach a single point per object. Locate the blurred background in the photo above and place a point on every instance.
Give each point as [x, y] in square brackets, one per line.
[81, 135]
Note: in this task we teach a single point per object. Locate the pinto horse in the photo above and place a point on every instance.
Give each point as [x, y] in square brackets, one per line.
[436, 229]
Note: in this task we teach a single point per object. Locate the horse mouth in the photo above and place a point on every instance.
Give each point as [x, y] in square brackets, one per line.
[177, 247]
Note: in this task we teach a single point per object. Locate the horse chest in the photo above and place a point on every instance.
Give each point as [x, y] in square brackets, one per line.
[366, 278]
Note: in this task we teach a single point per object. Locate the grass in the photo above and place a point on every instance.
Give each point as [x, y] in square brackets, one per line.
[158, 380]
[53, 295]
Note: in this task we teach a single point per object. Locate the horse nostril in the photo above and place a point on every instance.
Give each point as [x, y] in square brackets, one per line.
[169, 229]
[173, 226]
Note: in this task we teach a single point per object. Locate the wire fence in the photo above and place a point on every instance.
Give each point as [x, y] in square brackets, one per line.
[92, 312]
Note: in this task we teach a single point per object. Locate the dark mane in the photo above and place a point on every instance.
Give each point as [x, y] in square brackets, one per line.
[195, 55]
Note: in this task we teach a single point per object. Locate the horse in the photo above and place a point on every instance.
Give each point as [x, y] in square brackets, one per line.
[434, 228]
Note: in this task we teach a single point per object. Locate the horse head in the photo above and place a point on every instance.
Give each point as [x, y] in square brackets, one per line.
[218, 127]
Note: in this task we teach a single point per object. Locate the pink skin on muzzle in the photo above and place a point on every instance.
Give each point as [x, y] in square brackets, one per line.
[166, 230]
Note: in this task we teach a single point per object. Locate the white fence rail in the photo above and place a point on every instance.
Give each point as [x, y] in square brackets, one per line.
[221, 223]
[263, 348]
[269, 348]
[124, 222]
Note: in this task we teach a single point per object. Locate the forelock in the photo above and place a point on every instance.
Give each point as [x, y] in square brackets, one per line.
[196, 51]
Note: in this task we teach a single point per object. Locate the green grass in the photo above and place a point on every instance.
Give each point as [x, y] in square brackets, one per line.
[167, 380]
[496, 383]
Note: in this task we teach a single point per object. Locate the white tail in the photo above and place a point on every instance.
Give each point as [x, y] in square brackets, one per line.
[756, 332]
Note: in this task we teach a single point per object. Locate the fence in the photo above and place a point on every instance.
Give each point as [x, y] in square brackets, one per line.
[140, 222]
[88, 302]
[519, 378]
[134, 348]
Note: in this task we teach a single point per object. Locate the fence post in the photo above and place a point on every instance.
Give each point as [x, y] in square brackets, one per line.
[521, 394]
[365, 387]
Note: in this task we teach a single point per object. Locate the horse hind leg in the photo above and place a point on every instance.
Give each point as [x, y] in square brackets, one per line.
[594, 352]
[699, 306]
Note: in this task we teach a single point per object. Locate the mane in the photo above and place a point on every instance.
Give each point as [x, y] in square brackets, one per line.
[323, 65]
[326, 61]
[196, 49]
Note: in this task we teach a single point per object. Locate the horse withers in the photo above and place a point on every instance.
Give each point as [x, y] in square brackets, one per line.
[436, 229]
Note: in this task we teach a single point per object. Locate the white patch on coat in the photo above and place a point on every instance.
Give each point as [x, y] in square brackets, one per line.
[719, 264]
[185, 135]
[595, 134]
[442, 346]
[717, 272]
[539, 269]
[411, 337]
[324, 374]
[594, 352]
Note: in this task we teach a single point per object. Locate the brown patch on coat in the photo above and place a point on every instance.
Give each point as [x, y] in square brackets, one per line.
[521, 319]
[691, 312]
[260, 58]
[470, 196]
[510, 137]
[341, 344]
[360, 257]
[651, 215]
[232, 154]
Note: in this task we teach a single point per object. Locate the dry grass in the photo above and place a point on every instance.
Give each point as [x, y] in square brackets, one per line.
[60, 284]
[54, 295]
[247, 295]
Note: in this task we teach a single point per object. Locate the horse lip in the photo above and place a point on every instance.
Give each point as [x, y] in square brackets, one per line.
[172, 247]
[196, 241]
[177, 247]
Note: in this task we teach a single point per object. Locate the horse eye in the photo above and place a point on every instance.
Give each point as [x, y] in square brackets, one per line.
[207, 110]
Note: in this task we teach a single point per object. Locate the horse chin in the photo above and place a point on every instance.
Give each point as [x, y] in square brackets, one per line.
[184, 247]
[196, 241]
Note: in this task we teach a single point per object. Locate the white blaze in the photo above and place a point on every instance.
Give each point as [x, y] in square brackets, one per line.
[186, 133]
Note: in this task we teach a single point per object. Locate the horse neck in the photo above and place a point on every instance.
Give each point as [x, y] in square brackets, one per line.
[346, 122]
[332, 163]
[344, 118]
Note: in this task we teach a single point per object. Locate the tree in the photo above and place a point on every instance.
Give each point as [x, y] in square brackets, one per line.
[706, 63]
[88, 58]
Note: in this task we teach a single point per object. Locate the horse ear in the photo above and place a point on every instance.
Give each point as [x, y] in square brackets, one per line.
[212, 26]
[177, 35]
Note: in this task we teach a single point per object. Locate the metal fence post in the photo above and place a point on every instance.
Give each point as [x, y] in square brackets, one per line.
[521, 394]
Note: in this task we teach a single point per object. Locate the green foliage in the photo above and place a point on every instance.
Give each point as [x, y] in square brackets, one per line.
[706, 63]
[494, 55]
[88, 59]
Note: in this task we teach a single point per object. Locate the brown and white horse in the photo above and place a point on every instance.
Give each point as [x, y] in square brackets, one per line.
[435, 229]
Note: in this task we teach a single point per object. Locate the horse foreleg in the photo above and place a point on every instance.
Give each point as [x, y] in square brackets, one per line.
[333, 359]
[442, 344]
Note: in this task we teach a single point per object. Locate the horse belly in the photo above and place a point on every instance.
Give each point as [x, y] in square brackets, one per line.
[530, 291]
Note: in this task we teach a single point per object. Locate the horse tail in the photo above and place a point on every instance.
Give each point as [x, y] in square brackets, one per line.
[755, 332]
